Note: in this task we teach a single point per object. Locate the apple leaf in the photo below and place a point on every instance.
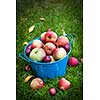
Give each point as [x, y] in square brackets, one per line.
[42, 19]
[25, 43]
[28, 78]
[31, 28]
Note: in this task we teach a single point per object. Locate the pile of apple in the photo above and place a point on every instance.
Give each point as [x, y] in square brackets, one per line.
[48, 48]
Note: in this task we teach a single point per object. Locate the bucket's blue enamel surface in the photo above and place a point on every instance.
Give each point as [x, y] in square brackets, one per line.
[51, 69]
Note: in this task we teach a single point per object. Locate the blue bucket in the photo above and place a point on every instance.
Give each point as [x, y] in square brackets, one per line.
[51, 69]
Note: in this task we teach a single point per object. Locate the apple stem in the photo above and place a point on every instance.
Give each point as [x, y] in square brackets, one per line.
[62, 88]
[49, 29]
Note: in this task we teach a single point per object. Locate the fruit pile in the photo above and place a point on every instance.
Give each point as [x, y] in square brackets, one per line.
[48, 48]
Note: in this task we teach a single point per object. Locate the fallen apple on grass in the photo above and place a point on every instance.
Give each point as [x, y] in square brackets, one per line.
[63, 84]
[37, 54]
[73, 61]
[59, 53]
[52, 91]
[37, 83]
[27, 68]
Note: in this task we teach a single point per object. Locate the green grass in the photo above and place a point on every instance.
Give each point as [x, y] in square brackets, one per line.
[59, 14]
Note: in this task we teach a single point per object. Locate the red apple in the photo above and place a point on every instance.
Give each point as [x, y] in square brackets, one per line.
[67, 47]
[37, 44]
[37, 54]
[27, 68]
[29, 46]
[73, 61]
[49, 48]
[63, 84]
[47, 59]
[62, 41]
[52, 58]
[50, 36]
[52, 91]
[43, 37]
[37, 83]
[28, 49]
[59, 53]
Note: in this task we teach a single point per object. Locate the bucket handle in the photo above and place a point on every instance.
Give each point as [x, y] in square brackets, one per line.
[21, 55]
[69, 36]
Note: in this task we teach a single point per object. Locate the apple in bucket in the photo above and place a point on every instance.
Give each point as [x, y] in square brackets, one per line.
[42, 37]
[62, 41]
[59, 53]
[37, 54]
[67, 47]
[50, 36]
[49, 48]
[48, 59]
[28, 49]
[52, 58]
[37, 44]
